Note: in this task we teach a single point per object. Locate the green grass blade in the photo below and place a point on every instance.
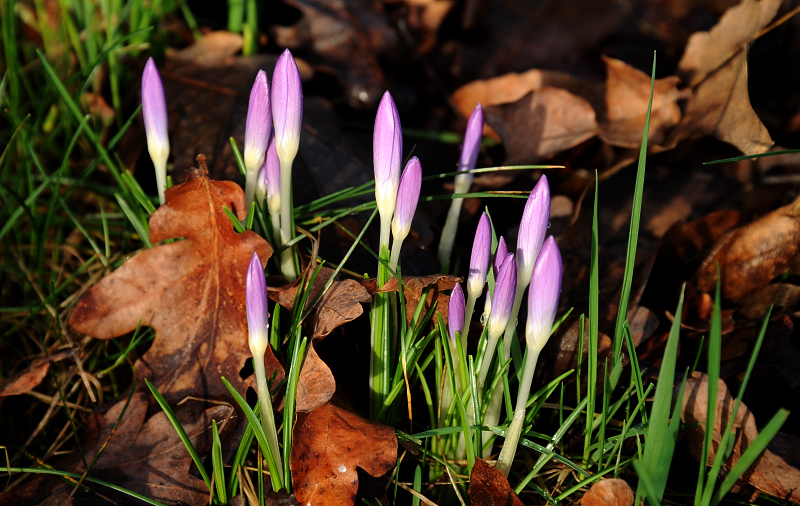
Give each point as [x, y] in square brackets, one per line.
[181, 433]
[289, 407]
[216, 463]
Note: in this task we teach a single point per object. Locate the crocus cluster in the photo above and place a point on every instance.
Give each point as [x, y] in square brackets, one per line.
[387, 154]
[268, 172]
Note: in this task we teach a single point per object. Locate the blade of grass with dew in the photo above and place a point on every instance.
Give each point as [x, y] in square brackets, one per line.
[258, 431]
[181, 433]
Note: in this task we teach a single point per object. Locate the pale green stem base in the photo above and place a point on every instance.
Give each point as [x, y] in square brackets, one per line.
[287, 221]
[395, 258]
[380, 333]
[468, 310]
[267, 417]
[449, 233]
[275, 217]
[511, 326]
[506, 457]
[161, 179]
[447, 392]
[491, 417]
[250, 187]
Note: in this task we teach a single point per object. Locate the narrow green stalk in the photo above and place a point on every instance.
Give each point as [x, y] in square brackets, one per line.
[380, 342]
[449, 233]
[267, 417]
[509, 449]
[287, 221]
[511, 326]
[468, 311]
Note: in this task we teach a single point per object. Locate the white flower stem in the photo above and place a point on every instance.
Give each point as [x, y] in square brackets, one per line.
[506, 457]
[161, 178]
[250, 181]
[511, 326]
[287, 220]
[468, 310]
[267, 417]
[449, 233]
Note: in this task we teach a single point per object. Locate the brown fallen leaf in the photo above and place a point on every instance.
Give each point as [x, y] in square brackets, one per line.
[751, 256]
[707, 51]
[328, 444]
[316, 385]
[414, 287]
[627, 97]
[30, 378]
[488, 487]
[542, 123]
[340, 304]
[191, 291]
[770, 473]
[608, 492]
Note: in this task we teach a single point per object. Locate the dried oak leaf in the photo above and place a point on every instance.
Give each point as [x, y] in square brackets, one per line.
[414, 287]
[627, 96]
[316, 385]
[327, 446]
[488, 487]
[191, 291]
[542, 123]
[30, 378]
[608, 492]
[770, 473]
[751, 256]
[340, 304]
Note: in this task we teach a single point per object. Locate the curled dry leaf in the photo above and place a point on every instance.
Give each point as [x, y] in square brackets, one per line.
[770, 473]
[316, 385]
[608, 492]
[30, 378]
[707, 51]
[542, 123]
[627, 96]
[751, 256]
[488, 487]
[413, 291]
[328, 444]
[340, 304]
[191, 291]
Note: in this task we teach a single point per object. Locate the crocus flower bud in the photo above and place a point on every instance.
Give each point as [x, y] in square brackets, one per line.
[287, 106]
[154, 110]
[455, 311]
[543, 295]
[481, 255]
[257, 314]
[499, 256]
[387, 152]
[407, 199]
[259, 124]
[503, 299]
[470, 149]
[532, 228]
[272, 176]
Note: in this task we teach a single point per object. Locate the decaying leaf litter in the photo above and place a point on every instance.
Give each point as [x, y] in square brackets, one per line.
[572, 117]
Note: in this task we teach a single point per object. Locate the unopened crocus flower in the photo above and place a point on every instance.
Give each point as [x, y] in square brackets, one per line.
[542, 306]
[499, 257]
[257, 313]
[287, 116]
[405, 206]
[387, 152]
[502, 301]
[287, 106]
[256, 133]
[532, 228]
[269, 188]
[469, 157]
[478, 268]
[543, 296]
[154, 110]
[455, 312]
[258, 325]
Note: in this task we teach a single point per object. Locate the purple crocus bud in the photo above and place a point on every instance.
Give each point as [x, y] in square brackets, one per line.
[387, 152]
[258, 126]
[499, 256]
[543, 295]
[154, 110]
[455, 311]
[272, 176]
[471, 147]
[503, 299]
[407, 198]
[481, 255]
[287, 106]
[257, 314]
[532, 228]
